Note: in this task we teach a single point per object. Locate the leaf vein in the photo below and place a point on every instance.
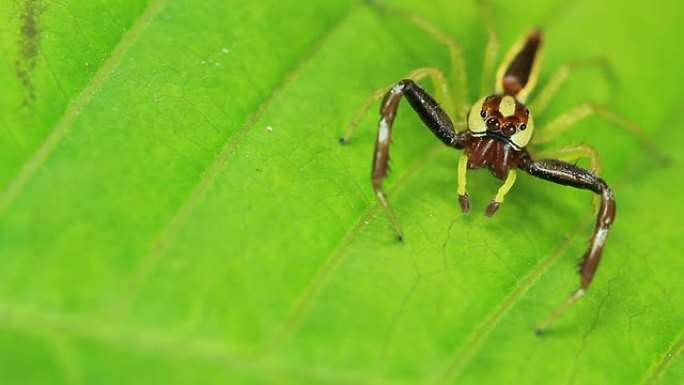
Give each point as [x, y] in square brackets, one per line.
[482, 330]
[33, 164]
[296, 316]
[654, 374]
[173, 227]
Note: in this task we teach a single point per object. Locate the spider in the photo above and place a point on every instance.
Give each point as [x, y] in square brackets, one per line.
[496, 131]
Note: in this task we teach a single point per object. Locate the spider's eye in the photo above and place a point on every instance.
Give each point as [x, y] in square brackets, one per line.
[508, 129]
[483, 114]
[493, 124]
[523, 127]
[527, 111]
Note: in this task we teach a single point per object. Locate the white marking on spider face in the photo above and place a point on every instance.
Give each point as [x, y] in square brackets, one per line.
[507, 106]
[476, 124]
[383, 132]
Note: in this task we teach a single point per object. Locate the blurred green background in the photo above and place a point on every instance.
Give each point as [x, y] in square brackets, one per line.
[175, 207]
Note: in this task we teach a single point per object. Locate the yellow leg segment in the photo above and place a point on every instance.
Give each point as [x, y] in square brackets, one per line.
[565, 121]
[562, 123]
[506, 187]
[571, 153]
[457, 59]
[462, 168]
[439, 82]
[491, 50]
[457, 62]
[561, 75]
[503, 190]
[463, 199]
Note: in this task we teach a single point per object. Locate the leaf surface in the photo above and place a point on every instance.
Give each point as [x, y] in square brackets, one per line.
[175, 207]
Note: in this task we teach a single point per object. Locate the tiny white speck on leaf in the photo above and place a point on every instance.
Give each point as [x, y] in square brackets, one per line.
[225, 50]
[269, 128]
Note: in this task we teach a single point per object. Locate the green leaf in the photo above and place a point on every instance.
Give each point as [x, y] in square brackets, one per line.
[175, 207]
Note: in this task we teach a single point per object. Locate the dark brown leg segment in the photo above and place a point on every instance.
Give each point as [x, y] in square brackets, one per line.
[429, 112]
[571, 175]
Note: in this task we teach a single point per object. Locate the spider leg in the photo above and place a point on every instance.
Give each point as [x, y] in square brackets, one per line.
[570, 175]
[570, 153]
[491, 49]
[575, 152]
[547, 93]
[565, 121]
[503, 190]
[439, 82]
[429, 111]
[457, 61]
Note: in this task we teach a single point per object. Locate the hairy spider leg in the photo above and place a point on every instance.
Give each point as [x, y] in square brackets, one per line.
[501, 193]
[558, 78]
[432, 115]
[439, 82]
[579, 151]
[570, 175]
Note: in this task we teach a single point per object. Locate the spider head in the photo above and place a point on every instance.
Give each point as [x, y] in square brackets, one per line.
[502, 117]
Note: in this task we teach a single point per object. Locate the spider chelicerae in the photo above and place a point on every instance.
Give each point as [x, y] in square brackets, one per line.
[497, 131]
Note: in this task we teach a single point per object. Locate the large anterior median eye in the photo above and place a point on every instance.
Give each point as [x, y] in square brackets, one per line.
[523, 134]
[476, 122]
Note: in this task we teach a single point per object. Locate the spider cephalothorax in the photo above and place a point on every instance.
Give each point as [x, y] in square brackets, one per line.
[499, 130]
[499, 127]
[502, 117]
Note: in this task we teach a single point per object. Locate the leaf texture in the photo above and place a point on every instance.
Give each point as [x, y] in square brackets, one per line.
[175, 207]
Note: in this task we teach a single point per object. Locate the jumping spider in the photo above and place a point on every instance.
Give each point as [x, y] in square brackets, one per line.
[498, 130]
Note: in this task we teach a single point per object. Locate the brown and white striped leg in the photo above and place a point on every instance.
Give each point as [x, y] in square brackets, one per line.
[429, 111]
[570, 175]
